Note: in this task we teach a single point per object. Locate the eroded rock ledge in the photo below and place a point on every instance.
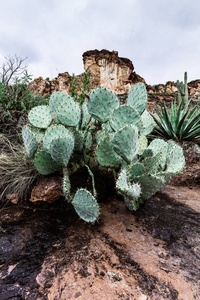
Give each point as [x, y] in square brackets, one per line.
[106, 68]
[109, 70]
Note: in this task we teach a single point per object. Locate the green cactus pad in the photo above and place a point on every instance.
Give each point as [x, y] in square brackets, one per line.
[86, 205]
[88, 141]
[53, 132]
[124, 115]
[147, 123]
[135, 170]
[159, 145]
[30, 141]
[121, 183]
[150, 184]
[151, 164]
[78, 138]
[86, 117]
[44, 163]
[175, 159]
[69, 113]
[125, 142]
[105, 154]
[137, 97]
[130, 193]
[40, 116]
[143, 142]
[106, 128]
[133, 191]
[61, 149]
[56, 99]
[131, 204]
[147, 153]
[39, 133]
[99, 136]
[101, 103]
[66, 185]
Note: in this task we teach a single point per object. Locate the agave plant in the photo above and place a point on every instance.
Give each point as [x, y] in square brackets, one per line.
[180, 122]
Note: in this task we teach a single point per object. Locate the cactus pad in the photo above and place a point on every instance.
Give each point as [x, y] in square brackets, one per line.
[131, 204]
[53, 132]
[137, 97]
[86, 117]
[159, 145]
[125, 142]
[86, 205]
[105, 154]
[101, 103]
[124, 115]
[149, 185]
[147, 123]
[143, 142]
[121, 183]
[175, 159]
[56, 99]
[61, 149]
[44, 163]
[152, 163]
[40, 116]
[135, 170]
[30, 141]
[130, 193]
[69, 113]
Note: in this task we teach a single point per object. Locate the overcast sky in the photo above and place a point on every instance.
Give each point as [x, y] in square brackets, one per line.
[161, 38]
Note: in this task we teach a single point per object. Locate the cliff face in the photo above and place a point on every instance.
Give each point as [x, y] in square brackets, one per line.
[106, 69]
[109, 70]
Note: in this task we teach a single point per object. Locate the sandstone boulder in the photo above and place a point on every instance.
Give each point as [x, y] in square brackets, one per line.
[47, 190]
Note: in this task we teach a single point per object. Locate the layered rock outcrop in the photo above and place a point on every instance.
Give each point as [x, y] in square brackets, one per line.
[106, 69]
[109, 70]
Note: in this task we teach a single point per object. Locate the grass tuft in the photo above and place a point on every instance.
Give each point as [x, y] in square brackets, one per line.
[17, 171]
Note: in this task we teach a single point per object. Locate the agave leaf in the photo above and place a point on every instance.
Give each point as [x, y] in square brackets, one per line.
[190, 124]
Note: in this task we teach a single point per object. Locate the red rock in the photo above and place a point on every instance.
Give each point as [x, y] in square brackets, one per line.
[47, 190]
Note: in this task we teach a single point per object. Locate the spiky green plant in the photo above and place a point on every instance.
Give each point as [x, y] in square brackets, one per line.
[181, 122]
[100, 131]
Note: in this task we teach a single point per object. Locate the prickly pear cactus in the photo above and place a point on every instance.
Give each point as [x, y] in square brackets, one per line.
[65, 134]
[55, 133]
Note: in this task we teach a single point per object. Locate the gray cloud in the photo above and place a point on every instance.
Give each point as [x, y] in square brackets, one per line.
[161, 38]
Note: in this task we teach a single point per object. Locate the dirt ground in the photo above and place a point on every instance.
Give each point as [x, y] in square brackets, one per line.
[47, 252]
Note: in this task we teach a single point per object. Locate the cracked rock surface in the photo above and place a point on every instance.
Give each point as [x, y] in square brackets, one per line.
[47, 252]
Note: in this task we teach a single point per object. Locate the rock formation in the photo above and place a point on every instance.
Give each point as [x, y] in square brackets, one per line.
[109, 70]
[47, 190]
[106, 69]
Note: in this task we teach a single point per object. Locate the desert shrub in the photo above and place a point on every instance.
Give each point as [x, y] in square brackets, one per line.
[78, 93]
[17, 171]
[15, 97]
[65, 135]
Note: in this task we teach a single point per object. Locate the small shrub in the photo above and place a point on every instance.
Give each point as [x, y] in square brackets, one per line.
[77, 93]
[17, 99]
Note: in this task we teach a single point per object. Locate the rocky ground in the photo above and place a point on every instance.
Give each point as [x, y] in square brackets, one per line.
[47, 252]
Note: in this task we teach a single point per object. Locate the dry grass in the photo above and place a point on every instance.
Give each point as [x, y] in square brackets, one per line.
[17, 171]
